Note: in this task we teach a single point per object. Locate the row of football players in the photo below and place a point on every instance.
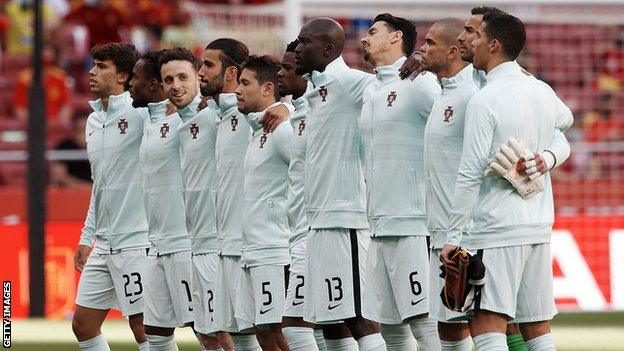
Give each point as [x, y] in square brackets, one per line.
[257, 218]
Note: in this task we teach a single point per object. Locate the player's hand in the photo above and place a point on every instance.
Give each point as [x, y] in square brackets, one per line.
[445, 257]
[534, 168]
[412, 67]
[204, 102]
[170, 108]
[273, 117]
[80, 258]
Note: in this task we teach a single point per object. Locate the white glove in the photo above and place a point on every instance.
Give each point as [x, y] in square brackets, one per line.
[505, 164]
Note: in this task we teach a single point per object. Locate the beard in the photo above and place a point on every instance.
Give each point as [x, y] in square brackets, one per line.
[211, 88]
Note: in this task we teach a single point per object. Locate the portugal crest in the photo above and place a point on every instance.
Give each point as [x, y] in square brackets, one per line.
[448, 113]
[301, 127]
[122, 125]
[391, 97]
[164, 129]
[323, 93]
[234, 122]
[194, 130]
[263, 140]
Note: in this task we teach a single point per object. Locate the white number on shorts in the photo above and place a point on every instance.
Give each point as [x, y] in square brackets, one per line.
[416, 288]
[266, 292]
[337, 288]
[188, 293]
[137, 281]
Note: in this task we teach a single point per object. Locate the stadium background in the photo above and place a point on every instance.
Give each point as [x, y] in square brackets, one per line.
[576, 46]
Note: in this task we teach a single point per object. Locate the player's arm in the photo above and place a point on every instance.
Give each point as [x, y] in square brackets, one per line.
[559, 149]
[281, 138]
[275, 115]
[478, 135]
[357, 82]
[425, 90]
[87, 237]
[412, 67]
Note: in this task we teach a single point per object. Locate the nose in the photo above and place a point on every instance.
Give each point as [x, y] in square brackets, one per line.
[92, 71]
[280, 73]
[423, 48]
[363, 41]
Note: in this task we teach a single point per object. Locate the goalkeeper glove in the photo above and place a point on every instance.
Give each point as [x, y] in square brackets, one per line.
[507, 163]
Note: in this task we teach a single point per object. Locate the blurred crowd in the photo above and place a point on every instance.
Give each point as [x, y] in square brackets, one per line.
[583, 63]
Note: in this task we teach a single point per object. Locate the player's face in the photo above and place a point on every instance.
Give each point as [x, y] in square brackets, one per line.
[139, 89]
[249, 92]
[376, 41]
[309, 53]
[104, 79]
[480, 48]
[287, 79]
[211, 74]
[179, 82]
[435, 51]
[467, 36]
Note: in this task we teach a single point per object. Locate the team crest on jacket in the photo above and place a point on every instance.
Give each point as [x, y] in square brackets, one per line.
[263, 140]
[122, 125]
[391, 98]
[234, 122]
[301, 127]
[323, 93]
[448, 113]
[194, 130]
[164, 129]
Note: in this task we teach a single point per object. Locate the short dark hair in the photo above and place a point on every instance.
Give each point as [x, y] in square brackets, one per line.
[508, 30]
[482, 10]
[233, 52]
[177, 54]
[405, 26]
[265, 68]
[292, 45]
[151, 67]
[124, 57]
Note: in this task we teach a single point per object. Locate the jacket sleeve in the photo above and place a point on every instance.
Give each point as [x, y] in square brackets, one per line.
[425, 90]
[281, 139]
[478, 135]
[87, 237]
[559, 146]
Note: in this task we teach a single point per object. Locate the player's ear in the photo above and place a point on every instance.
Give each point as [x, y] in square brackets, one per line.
[494, 45]
[153, 84]
[329, 49]
[453, 51]
[268, 89]
[396, 36]
[231, 74]
[122, 78]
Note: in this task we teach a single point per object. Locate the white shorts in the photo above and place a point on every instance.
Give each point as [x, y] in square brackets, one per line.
[203, 287]
[336, 261]
[296, 281]
[168, 300]
[397, 279]
[518, 283]
[228, 274]
[113, 281]
[261, 294]
[437, 310]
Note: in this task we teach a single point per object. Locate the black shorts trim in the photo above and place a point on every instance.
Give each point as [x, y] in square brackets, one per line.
[355, 271]
[477, 303]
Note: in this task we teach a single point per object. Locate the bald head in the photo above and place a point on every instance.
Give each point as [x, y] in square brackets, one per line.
[449, 29]
[321, 41]
[327, 30]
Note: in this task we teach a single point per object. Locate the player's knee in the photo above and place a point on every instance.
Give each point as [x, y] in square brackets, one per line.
[82, 329]
[361, 327]
[453, 331]
[151, 330]
[336, 331]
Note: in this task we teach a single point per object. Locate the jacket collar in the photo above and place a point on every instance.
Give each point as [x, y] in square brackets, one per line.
[115, 103]
[157, 110]
[190, 110]
[332, 69]
[253, 118]
[385, 73]
[453, 82]
[504, 69]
